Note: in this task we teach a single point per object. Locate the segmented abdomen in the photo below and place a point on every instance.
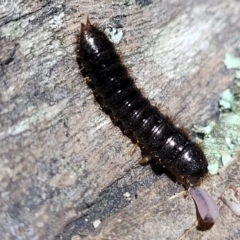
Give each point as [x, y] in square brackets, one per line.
[116, 91]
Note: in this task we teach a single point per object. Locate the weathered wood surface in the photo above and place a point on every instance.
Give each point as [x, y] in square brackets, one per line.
[63, 164]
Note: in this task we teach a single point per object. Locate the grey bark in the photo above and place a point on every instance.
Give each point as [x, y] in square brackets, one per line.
[63, 163]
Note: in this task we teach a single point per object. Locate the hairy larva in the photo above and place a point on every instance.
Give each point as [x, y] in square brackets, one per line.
[153, 131]
[116, 92]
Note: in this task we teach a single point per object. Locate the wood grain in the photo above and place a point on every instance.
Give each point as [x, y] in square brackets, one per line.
[63, 164]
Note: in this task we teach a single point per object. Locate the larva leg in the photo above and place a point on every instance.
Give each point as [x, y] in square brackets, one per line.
[86, 77]
[145, 160]
[133, 149]
[180, 194]
[88, 80]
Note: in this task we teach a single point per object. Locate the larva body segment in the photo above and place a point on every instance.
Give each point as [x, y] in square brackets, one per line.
[153, 131]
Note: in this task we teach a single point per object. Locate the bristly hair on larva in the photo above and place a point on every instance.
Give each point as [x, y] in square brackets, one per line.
[155, 134]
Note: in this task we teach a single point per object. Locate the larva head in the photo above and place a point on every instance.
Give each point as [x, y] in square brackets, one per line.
[192, 166]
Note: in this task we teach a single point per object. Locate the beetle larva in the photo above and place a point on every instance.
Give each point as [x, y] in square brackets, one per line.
[116, 92]
[151, 129]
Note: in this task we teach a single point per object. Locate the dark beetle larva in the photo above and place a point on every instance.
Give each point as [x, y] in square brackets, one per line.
[151, 129]
[145, 124]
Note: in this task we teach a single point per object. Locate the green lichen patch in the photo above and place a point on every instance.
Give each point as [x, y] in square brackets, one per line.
[222, 137]
[237, 76]
[226, 99]
[115, 35]
[232, 62]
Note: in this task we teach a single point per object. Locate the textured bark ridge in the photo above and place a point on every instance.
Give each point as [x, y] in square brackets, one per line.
[64, 166]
